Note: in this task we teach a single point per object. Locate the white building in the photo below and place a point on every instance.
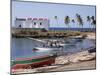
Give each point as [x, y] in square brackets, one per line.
[32, 23]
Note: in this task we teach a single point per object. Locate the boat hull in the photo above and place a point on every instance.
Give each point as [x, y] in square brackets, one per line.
[33, 63]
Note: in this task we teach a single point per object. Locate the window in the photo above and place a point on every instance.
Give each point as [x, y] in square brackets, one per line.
[40, 23]
[20, 26]
[34, 23]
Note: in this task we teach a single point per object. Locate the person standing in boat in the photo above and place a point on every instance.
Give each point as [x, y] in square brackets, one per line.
[51, 44]
[44, 45]
[57, 44]
[48, 43]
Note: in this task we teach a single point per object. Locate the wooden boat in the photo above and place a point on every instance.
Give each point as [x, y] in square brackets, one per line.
[25, 63]
[92, 49]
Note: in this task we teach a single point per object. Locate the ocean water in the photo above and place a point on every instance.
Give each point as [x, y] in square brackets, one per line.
[74, 29]
[22, 47]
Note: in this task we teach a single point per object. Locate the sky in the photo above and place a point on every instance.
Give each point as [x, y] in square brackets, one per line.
[49, 10]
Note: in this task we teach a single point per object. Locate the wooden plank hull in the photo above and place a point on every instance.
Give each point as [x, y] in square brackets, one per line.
[33, 63]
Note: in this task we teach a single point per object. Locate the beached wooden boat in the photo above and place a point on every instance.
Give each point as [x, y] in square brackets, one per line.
[24, 63]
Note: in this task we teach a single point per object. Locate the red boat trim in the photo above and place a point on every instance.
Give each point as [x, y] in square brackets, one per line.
[35, 62]
[35, 57]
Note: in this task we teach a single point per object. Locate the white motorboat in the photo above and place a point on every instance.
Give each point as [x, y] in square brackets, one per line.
[45, 48]
[50, 44]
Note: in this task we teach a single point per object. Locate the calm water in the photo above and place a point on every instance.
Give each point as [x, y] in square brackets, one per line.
[22, 47]
[75, 29]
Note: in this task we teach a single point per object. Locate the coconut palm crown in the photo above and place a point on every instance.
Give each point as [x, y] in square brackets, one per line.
[67, 20]
[93, 21]
[79, 19]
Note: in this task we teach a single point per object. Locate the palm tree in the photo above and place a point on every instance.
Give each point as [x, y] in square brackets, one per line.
[89, 20]
[67, 21]
[79, 20]
[93, 22]
[73, 21]
[56, 18]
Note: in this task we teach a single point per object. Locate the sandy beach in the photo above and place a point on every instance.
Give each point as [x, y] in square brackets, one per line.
[78, 61]
[91, 35]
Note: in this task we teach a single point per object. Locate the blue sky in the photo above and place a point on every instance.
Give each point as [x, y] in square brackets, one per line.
[48, 10]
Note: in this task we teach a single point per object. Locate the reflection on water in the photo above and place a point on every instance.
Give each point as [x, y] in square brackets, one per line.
[22, 47]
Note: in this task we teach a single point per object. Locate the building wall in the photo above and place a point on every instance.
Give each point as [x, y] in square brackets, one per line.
[28, 24]
[32, 23]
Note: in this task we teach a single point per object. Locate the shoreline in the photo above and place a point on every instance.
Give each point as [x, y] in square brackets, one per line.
[84, 35]
[77, 61]
[50, 34]
[82, 60]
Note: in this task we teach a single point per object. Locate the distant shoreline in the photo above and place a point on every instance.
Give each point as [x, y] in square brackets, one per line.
[47, 34]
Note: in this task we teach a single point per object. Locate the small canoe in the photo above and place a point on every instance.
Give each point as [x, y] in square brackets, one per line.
[26, 63]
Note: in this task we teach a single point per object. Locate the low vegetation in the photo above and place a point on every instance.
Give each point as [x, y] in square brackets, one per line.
[39, 33]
